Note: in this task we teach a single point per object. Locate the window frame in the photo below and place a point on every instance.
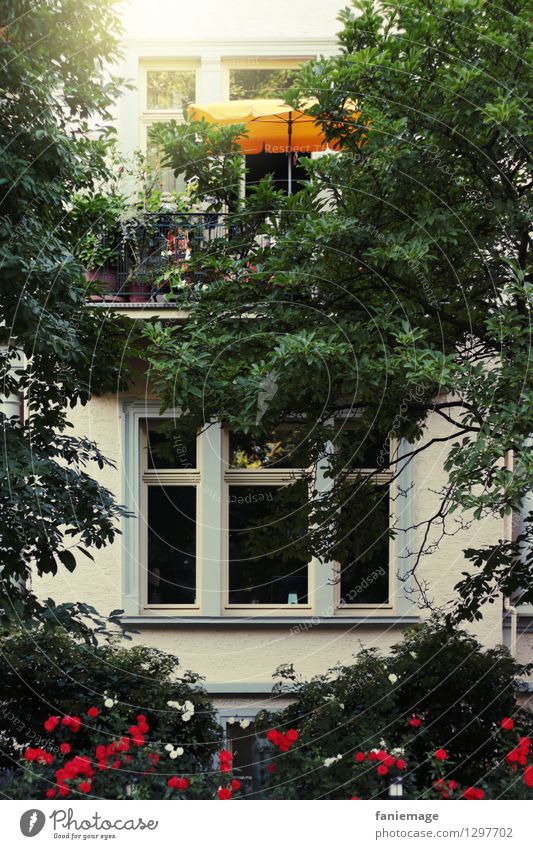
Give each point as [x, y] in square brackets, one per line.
[164, 478]
[254, 477]
[258, 63]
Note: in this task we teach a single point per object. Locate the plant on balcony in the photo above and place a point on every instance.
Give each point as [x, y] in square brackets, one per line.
[94, 220]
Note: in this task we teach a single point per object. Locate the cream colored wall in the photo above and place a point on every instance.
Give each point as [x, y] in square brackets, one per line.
[247, 654]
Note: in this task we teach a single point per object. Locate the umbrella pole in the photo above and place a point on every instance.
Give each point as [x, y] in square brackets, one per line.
[289, 154]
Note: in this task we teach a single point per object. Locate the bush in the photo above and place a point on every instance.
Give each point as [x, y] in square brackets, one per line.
[53, 674]
[437, 690]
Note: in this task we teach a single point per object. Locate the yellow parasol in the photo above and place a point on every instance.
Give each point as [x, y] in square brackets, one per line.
[272, 126]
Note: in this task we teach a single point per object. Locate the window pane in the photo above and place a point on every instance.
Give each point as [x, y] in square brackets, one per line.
[165, 180]
[269, 577]
[365, 571]
[250, 759]
[283, 448]
[248, 83]
[171, 545]
[167, 448]
[170, 89]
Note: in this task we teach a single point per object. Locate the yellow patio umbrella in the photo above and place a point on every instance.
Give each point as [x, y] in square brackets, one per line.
[272, 126]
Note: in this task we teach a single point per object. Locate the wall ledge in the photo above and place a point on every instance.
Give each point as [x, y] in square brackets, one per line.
[305, 622]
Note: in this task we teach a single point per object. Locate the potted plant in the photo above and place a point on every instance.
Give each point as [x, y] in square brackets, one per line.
[95, 231]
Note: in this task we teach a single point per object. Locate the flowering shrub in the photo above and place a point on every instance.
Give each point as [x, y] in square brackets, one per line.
[55, 675]
[435, 713]
[119, 763]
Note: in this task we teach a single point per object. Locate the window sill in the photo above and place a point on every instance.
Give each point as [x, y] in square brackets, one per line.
[305, 622]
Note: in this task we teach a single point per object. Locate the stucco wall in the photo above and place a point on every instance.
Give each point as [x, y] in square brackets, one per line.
[251, 654]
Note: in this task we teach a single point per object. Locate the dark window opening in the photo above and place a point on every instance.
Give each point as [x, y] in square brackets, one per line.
[171, 545]
[258, 165]
[272, 577]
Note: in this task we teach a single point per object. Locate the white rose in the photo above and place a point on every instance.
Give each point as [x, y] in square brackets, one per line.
[173, 754]
[232, 720]
[109, 703]
[179, 751]
[189, 707]
[393, 678]
[244, 723]
[186, 716]
[169, 747]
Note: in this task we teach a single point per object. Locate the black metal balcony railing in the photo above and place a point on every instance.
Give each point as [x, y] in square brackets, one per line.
[145, 250]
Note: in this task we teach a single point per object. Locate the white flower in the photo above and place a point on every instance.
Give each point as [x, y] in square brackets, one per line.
[109, 703]
[232, 720]
[173, 754]
[413, 654]
[341, 706]
[398, 752]
[244, 723]
[179, 751]
[174, 705]
[329, 761]
[383, 744]
[393, 678]
[189, 707]
[169, 747]
[186, 716]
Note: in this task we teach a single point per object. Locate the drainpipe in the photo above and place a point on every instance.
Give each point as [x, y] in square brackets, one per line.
[508, 606]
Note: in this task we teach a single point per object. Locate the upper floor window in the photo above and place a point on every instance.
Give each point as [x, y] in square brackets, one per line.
[166, 89]
[253, 82]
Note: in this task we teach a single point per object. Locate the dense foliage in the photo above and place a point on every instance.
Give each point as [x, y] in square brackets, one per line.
[49, 673]
[53, 351]
[438, 690]
[392, 288]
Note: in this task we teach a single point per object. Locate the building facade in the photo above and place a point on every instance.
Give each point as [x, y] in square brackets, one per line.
[182, 506]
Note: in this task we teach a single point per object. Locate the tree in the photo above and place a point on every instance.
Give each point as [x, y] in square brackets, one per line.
[394, 285]
[54, 352]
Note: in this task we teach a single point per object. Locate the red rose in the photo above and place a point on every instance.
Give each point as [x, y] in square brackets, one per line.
[66, 721]
[415, 722]
[64, 748]
[372, 756]
[272, 768]
[507, 723]
[75, 724]
[524, 744]
[224, 756]
[50, 793]
[101, 752]
[224, 793]
[441, 755]
[359, 758]
[292, 735]
[528, 776]
[51, 723]
[453, 784]
[141, 717]
[400, 763]
[381, 755]
[224, 767]
[382, 769]
[93, 712]
[512, 756]
[236, 784]
[63, 790]
[85, 787]
[473, 793]
[388, 760]
[138, 740]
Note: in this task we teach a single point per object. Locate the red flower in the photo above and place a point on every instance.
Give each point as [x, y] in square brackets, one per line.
[72, 722]
[50, 793]
[272, 768]
[178, 783]
[388, 760]
[382, 769]
[153, 757]
[355, 797]
[292, 735]
[101, 752]
[400, 763]
[441, 755]
[226, 758]
[524, 744]
[63, 790]
[64, 748]
[93, 712]
[381, 755]
[51, 723]
[528, 776]
[453, 784]
[224, 793]
[507, 723]
[85, 787]
[236, 784]
[372, 756]
[66, 721]
[273, 736]
[359, 758]
[473, 793]
[415, 722]
[138, 739]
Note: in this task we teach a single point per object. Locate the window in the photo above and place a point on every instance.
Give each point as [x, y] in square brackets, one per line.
[218, 524]
[170, 482]
[249, 83]
[266, 519]
[363, 571]
[166, 89]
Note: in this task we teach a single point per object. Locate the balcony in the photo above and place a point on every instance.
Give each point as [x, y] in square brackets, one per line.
[148, 254]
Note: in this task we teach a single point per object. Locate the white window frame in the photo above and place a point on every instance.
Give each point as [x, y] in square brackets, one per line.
[213, 478]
